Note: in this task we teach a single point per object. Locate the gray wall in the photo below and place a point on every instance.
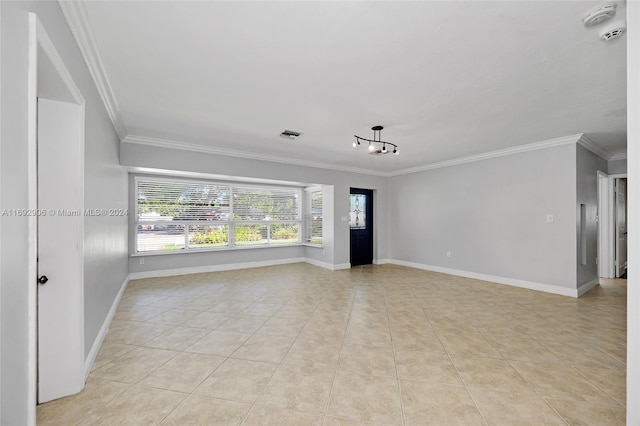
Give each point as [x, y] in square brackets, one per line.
[587, 166]
[491, 216]
[616, 167]
[336, 244]
[105, 186]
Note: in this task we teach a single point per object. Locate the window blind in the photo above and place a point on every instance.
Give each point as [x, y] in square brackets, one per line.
[176, 214]
[313, 217]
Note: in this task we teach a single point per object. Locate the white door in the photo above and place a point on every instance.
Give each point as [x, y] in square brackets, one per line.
[621, 227]
[60, 221]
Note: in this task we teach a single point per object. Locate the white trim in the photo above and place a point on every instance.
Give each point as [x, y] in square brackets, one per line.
[78, 20]
[618, 175]
[594, 147]
[0, 222]
[325, 265]
[32, 224]
[566, 140]
[618, 156]
[381, 261]
[633, 209]
[97, 343]
[341, 266]
[588, 286]
[209, 176]
[212, 268]
[186, 146]
[530, 285]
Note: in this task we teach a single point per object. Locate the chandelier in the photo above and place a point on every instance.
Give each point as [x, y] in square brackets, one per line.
[377, 146]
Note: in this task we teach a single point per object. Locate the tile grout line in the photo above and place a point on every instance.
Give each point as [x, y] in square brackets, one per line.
[344, 338]
[253, 404]
[466, 386]
[395, 362]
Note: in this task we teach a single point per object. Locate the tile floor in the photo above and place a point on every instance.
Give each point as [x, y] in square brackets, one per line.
[375, 345]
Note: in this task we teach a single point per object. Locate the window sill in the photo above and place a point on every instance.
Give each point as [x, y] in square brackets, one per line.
[216, 249]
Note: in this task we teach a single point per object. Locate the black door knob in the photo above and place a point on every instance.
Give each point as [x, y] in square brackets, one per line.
[43, 279]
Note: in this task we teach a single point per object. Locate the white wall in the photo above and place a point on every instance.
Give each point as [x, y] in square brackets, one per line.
[616, 167]
[105, 187]
[587, 166]
[336, 245]
[491, 216]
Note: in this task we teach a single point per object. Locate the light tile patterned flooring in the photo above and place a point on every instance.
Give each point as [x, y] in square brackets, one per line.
[386, 345]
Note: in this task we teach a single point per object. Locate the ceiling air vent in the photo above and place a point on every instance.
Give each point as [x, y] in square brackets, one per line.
[290, 134]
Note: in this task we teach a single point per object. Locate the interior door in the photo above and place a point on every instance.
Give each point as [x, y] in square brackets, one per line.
[60, 259]
[621, 227]
[361, 226]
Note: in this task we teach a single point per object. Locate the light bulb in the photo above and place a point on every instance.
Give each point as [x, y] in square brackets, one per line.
[384, 149]
[355, 144]
[371, 147]
[396, 151]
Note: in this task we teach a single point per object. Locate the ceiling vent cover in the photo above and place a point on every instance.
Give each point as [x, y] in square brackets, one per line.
[290, 134]
[599, 14]
[612, 33]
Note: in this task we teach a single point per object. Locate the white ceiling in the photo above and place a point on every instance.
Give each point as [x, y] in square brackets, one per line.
[446, 79]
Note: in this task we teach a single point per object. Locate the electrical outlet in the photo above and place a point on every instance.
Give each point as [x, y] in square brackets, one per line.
[448, 254]
[142, 260]
[549, 218]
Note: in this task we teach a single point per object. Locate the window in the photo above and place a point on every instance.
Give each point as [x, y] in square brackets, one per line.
[357, 211]
[188, 215]
[313, 216]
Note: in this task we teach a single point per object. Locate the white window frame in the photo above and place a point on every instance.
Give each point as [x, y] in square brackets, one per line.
[231, 223]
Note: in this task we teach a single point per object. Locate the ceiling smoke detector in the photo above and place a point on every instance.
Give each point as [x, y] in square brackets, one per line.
[290, 134]
[599, 14]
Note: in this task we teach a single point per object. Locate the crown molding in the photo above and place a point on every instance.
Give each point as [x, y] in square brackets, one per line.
[550, 143]
[594, 147]
[185, 146]
[77, 18]
[618, 156]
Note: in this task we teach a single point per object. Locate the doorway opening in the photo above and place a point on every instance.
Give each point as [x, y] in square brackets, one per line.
[361, 226]
[612, 225]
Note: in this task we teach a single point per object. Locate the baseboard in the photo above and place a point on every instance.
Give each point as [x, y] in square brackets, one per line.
[588, 286]
[212, 268]
[530, 285]
[325, 265]
[97, 343]
[381, 261]
[341, 266]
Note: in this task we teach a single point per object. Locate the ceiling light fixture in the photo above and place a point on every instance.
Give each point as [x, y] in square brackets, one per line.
[374, 144]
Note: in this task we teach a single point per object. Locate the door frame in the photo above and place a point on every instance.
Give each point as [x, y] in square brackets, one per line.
[616, 267]
[39, 39]
[369, 218]
[607, 224]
